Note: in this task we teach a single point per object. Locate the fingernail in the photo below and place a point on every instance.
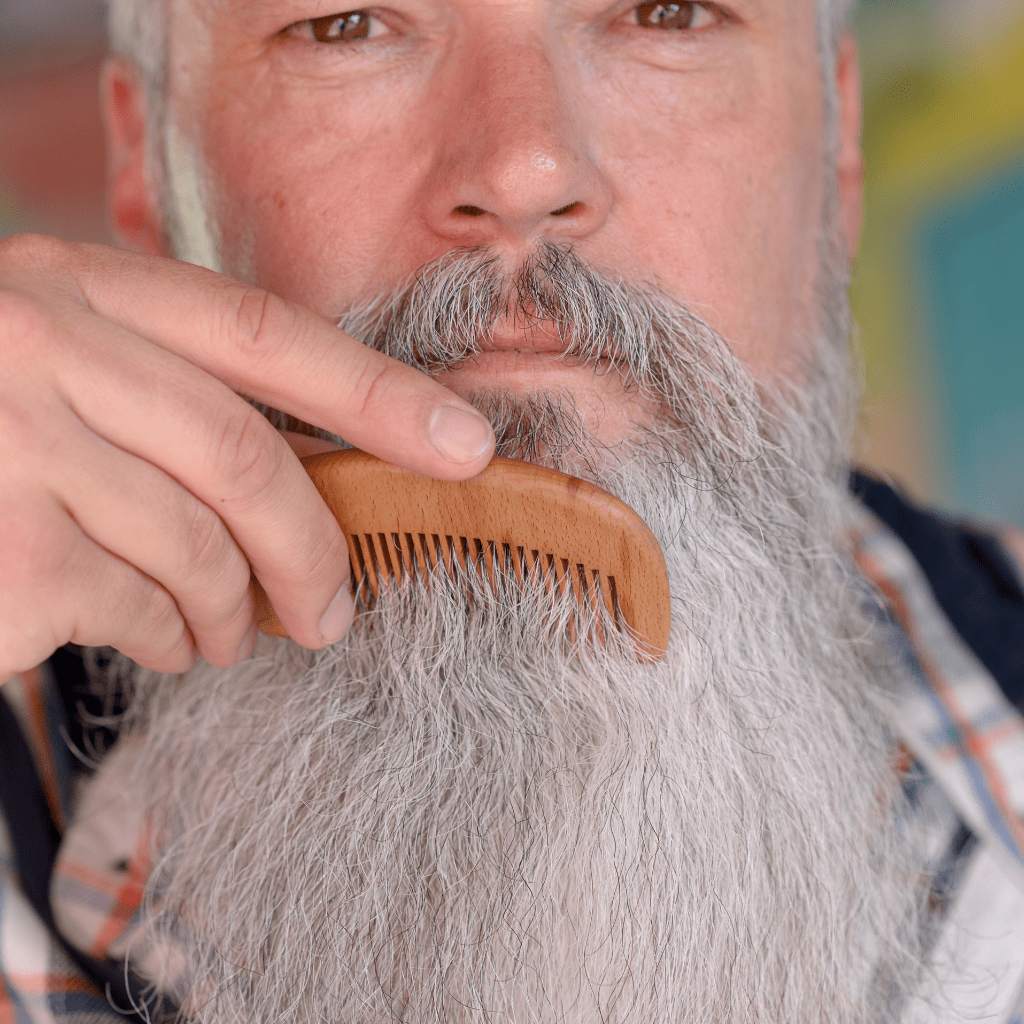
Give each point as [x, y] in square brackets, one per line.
[338, 617]
[458, 435]
[249, 643]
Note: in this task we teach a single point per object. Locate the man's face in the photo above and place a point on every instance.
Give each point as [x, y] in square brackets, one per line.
[676, 145]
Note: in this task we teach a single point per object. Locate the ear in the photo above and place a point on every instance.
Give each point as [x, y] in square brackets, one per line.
[132, 207]
[849, 159]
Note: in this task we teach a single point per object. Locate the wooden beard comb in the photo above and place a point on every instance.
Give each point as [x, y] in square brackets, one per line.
[514, 518]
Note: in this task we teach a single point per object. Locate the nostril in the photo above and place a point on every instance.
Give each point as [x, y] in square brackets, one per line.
[563, 211]
[469, 211]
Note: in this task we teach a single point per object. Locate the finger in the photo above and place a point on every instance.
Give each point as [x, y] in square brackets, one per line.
[146, 401]
[292, 359]
[136, 511]
[144, 624]
[60, 587]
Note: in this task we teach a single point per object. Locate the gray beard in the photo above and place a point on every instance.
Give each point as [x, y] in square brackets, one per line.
[452, 815]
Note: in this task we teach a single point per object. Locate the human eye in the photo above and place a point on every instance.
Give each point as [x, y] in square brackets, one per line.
[687, 15]
[347, 27]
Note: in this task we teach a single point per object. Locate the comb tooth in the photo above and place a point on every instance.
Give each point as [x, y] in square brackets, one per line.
[564, 575]
[511, 561]
[551, 582]
[402, 557]
[436, 550]
[357, 567]
[613, 602]
[537, 568]
[373, 573]
[578, 577]
[600, 592]
[483, 558]
[423, 550]
[393, 544]
[607, 583]
[540, 568]
[590, 584]
[597, 594]
[448, 551]
[428, 545]
[385, 564]
[388, 569]
[410, 557]
[570, 581]
[398, 557]
[381, 560]
[593, 577]
[491, 561]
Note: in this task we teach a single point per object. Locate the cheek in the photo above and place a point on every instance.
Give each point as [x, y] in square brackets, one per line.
[312, 190]
[721, 195]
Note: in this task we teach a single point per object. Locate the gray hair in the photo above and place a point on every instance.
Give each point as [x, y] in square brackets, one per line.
[136, 32]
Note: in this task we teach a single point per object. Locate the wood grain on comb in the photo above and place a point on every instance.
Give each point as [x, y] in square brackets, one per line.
[513, 514]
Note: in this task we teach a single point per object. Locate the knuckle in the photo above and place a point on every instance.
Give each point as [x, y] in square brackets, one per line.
[262, 323]
[206, 541]
[18, 443]
[157, 614]
[36, 551]
[160, 636]
[324, 558]
[26, 251]
[247, 454]
[212, 561]
[369, 387]
[24, 326]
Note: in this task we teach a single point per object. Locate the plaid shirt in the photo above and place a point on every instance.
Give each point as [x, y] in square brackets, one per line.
[72, 862]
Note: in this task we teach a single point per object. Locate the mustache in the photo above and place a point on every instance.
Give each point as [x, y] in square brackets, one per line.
[710, 404]
[447, 313]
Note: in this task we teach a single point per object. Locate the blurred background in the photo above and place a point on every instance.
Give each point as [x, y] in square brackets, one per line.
[938, 290]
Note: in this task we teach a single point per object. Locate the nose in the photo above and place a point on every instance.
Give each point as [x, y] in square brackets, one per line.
[514, 165]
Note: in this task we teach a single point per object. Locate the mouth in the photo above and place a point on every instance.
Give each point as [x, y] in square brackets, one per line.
[520, 369]
[515, 359]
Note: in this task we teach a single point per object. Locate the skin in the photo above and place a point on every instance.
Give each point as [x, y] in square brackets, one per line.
[138, 492]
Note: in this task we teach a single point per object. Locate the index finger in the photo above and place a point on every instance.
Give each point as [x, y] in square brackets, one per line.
[293, 359]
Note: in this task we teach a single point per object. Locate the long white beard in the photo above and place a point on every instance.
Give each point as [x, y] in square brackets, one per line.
[451, 817]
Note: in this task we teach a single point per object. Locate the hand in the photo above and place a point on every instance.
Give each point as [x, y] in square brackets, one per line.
[138, 491]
